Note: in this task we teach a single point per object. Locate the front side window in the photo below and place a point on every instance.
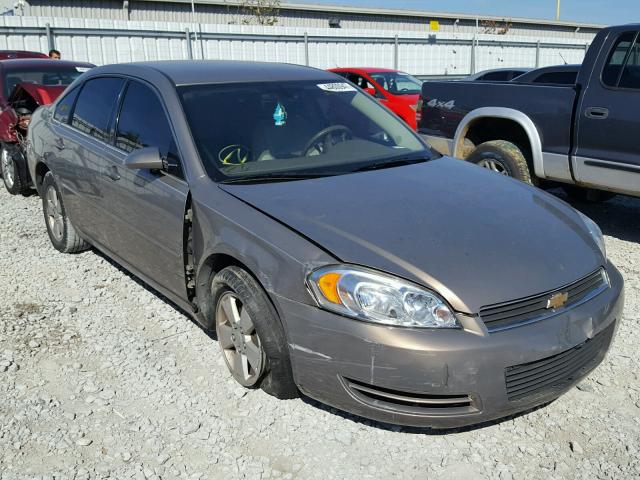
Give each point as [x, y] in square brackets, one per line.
[58, 76]
[143, 123]
[624, 51]
[95, 107]
[398, 83]
[292, 128]
[65, 105]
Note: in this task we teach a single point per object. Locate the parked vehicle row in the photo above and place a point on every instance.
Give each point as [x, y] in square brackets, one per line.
[581, 136]
[333, 252]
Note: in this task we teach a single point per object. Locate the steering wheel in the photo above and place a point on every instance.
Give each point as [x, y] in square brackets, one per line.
[322, 141]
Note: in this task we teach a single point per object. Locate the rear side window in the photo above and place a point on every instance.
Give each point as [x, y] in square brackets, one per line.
[65, 105]
[501, 76]
[557, 78]
[143, 123]
[95, 107]
[622, 65]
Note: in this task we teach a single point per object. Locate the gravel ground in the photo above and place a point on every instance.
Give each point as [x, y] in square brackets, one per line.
[100, 377]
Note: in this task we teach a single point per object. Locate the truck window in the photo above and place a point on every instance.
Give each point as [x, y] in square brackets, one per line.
[612, 70]
[631, 73]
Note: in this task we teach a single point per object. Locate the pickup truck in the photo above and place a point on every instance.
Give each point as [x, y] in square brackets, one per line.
[585, 136]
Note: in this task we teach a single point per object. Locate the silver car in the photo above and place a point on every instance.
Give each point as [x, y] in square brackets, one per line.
[331, 250]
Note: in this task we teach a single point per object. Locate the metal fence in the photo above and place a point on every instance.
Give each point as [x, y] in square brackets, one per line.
[113, 41]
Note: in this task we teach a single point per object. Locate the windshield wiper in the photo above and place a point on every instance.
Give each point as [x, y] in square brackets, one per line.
[393, 162]
[278, 177]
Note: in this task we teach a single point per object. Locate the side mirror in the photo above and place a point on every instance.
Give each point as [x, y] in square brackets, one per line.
[147, 158]
[370, 91]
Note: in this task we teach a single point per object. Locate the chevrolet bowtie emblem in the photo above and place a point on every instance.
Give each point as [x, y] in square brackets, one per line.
[557, 300]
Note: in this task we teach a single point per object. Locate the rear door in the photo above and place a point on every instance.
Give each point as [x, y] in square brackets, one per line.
[608, 122]
[78, 147]
[145, 209]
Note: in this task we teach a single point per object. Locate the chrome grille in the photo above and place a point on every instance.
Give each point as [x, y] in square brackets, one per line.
[512, 314]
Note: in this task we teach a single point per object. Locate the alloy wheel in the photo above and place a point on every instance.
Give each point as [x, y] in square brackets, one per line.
[8, 171]
[243, 352]
[55, 218]
[493, 165]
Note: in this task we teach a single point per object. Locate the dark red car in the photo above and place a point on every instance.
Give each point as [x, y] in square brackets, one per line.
[397, 90]
[9, 54]
[26, 84]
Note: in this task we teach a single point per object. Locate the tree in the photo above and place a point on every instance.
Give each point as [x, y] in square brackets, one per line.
[260, 12]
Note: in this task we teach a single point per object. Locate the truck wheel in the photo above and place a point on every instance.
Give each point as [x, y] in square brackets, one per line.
[590, 195]
[12, 175]
[61, 232]
[502, 157]
[250, 334]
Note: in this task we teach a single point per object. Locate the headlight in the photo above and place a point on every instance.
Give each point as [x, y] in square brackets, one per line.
[375, 297]
[595, 232]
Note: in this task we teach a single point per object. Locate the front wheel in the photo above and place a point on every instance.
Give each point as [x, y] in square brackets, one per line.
[250, 334]
[502, 157]
[12, 175]
[61, 231]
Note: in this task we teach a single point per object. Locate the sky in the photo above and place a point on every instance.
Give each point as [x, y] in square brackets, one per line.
[606, 12]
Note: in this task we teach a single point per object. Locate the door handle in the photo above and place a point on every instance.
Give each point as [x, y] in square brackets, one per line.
[112, 173]
[59, 143]
[597, 113]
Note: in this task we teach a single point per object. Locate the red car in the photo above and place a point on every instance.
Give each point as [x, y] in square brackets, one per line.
[9, 54]
[397, 90]
[26, 84]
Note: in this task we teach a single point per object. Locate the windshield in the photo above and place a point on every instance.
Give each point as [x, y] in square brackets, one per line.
[63, 75]
[298, 128]
[398, 83]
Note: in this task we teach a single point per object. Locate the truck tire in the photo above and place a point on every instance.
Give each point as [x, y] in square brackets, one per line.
[12, 165]
[61, 231]
[502, 157]
[589, 195]
[246, 321]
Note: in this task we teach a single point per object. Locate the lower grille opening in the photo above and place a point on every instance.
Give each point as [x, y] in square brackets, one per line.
[548, 375]
[410, 402]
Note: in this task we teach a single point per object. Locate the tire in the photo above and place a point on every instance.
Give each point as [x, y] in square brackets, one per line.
[258, 327]
[61, 231]
[587, 195]
[502, 157]
[13, 167]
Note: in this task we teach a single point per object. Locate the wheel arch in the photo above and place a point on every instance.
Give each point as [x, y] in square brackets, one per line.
[40, 171]
[514, 118]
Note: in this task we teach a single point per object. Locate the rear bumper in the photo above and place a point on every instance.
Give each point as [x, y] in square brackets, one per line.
[448, 378]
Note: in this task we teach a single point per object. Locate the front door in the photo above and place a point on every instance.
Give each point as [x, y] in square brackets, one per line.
[145, 209]
[607, 151]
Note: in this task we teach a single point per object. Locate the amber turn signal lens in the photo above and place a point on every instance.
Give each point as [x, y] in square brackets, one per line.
[328, 285]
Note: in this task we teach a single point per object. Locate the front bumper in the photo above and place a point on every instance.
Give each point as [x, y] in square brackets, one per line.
[444, 378]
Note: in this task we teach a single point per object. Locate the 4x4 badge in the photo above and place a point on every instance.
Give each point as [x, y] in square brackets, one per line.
[557, 300]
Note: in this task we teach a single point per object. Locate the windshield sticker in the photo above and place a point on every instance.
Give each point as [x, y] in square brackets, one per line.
[83, 69]
[280, 116]
[337, 87]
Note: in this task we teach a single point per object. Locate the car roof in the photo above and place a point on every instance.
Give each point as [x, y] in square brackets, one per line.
[193, 72]
[44, 63]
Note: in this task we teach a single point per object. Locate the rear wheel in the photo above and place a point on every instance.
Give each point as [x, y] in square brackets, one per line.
[250, 334]
[502, 157]
[12, 171]
[61, 231]
[590, 195]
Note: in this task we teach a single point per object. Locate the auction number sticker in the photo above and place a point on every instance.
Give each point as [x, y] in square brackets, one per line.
[337, 87]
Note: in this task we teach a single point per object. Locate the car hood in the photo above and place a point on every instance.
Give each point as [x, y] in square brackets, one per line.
[474, 236]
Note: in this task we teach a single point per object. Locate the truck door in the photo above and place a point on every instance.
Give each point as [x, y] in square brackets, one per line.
[607, 147]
